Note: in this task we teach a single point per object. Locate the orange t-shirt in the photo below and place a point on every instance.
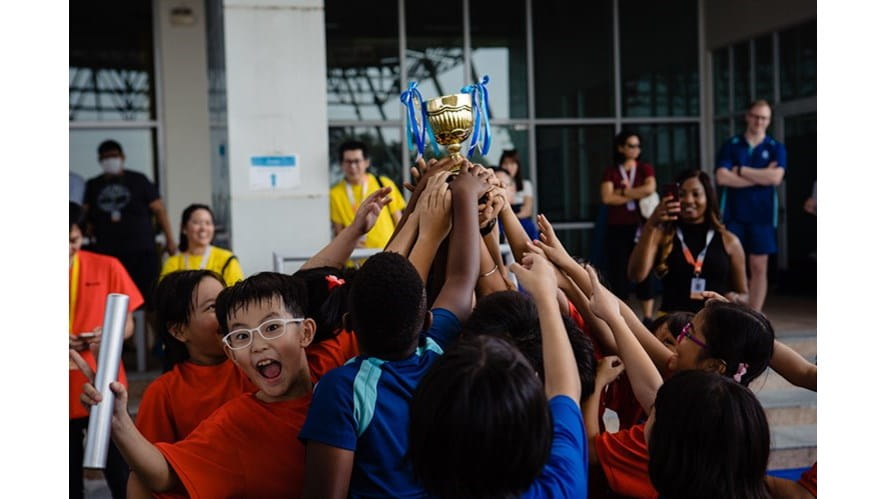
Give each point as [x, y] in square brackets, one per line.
[808, 480]
[98, 276]
[179, 400]
[624, 458]
[620, 399]
[331, 353]
[246, 448]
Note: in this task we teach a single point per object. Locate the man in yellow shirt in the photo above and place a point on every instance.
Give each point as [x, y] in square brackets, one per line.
[346, 196]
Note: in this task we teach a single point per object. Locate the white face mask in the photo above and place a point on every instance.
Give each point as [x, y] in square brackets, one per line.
[112, 165]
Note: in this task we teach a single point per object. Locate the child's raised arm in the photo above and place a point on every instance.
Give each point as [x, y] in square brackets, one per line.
[642, 373]
[463, 258]
[537, 276]
[143, 458]
[337, 252]
[435, 221]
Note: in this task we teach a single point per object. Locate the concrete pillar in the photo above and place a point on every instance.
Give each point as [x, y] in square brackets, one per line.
[275, 59]
[182, 105]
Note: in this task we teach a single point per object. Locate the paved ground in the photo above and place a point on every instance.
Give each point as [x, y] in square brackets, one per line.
[793, 319]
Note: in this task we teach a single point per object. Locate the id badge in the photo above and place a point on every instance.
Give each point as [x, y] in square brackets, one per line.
[697, 286]
[116, 216]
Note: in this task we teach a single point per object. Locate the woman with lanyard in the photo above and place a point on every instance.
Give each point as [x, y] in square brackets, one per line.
[622, 187]
[196, 251]
[690, 248]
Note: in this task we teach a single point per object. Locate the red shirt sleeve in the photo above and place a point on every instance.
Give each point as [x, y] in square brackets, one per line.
[623, 457]
[331, 353]
[808, 480]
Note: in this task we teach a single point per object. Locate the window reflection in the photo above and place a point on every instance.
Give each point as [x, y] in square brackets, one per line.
[764, 67]
[499, 49]
[363, 70]
[508, 137]
[659, 58]
[434, 57]
[797, 51]
[721, 70]
[670, 148]
[573, 59]
[741, 76]
[111, 64]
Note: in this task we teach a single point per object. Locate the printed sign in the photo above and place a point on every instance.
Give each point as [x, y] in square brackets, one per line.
[273, 173]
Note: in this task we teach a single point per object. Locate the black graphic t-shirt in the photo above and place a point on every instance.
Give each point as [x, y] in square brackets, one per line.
[119, 212]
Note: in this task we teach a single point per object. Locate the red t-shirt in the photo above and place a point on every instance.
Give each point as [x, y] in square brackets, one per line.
[98, 276]
[623, 457]
[179, 400]
[620, 215]
[808, 480]
[246, 448]
[620, 399]
[331, 353]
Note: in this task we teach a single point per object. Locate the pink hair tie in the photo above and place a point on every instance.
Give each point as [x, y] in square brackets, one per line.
[740, 372]
[333, 282]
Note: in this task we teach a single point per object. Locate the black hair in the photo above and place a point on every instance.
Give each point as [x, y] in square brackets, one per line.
[75, 216]
[479, 422]
[259, 288]
[387, 305]
[712, 216]
[175, 298]
[110, 145]
[350, 145]
[518, 178]
[513, 316]
[737, 334]
[186, 215]
[620, 140]
[326, 306]
[675, 322]
[710, 438]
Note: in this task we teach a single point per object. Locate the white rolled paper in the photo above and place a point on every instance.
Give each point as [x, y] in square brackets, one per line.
[98, 434]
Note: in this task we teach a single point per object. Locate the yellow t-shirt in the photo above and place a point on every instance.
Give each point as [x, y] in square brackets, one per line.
[342, 211]
[217, 259]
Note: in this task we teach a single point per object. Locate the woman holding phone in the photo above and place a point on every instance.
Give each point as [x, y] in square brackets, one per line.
[622, 188]
[691, 251]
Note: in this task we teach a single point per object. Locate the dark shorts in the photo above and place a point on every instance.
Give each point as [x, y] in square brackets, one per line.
[756, 239]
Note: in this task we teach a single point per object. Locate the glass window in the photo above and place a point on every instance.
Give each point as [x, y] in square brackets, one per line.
[741, 76]
[363, 68]
[499, 49]
[800, 142]
[435, 58]
[764, 67]
[111, 62]
[138, 147]
[579, 243]
[721, 69]
[509, 137]
[573, 59]
[658, 44]
[670, 148]
[384, 146]
[722, 133]
[797, 53]
[571, 160]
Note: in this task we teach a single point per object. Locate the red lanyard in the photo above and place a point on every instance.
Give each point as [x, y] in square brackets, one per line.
[696, 263]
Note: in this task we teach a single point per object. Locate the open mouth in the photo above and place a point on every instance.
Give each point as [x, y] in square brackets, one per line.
[268, 369]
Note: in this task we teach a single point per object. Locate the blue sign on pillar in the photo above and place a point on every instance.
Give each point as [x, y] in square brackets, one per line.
[274, 172]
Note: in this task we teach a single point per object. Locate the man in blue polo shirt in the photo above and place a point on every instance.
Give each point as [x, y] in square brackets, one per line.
[750, 166]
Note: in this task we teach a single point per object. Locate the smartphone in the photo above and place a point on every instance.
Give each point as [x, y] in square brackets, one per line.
[86, 336]
[672, 190]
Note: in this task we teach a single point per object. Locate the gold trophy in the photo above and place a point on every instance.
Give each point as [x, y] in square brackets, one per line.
[451, 118]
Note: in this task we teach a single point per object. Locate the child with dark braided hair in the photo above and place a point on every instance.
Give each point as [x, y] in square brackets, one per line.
[686, 244]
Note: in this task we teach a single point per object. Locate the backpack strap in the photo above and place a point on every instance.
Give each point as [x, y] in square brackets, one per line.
[227, 262]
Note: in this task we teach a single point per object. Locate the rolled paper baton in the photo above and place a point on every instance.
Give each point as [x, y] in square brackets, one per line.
[98, 434]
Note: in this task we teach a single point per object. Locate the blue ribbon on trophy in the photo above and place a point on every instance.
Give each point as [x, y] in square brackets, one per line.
[481, 104]
[412, 99]
[450, 120]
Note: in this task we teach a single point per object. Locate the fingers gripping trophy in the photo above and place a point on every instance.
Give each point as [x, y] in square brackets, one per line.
[450, 120]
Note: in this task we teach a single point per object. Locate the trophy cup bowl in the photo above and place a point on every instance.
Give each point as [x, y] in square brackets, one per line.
[451, 121]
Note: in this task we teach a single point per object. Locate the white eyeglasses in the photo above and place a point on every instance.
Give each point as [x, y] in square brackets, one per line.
[270, 329]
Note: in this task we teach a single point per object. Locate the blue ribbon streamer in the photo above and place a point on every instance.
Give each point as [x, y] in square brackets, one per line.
[480, 103]
[415, 135]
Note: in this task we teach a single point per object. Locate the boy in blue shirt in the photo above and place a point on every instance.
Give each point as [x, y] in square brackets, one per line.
[356, 430]
[750, 166]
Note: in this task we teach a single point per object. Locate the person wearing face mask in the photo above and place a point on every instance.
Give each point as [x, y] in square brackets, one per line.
[119, 206]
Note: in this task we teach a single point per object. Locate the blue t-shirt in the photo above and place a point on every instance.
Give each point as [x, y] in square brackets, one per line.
[364, 407]
[566, 472]
[756, 204]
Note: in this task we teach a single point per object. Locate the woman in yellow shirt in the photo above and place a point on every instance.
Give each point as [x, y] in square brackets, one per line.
[196, 250]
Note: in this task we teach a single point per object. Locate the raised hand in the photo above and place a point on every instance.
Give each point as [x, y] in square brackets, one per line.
[666, 211]
[601, 302]
[536, 274]
[608, 370]
[370, 208]
[469, 180]
[435, 205]
[91, 396]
